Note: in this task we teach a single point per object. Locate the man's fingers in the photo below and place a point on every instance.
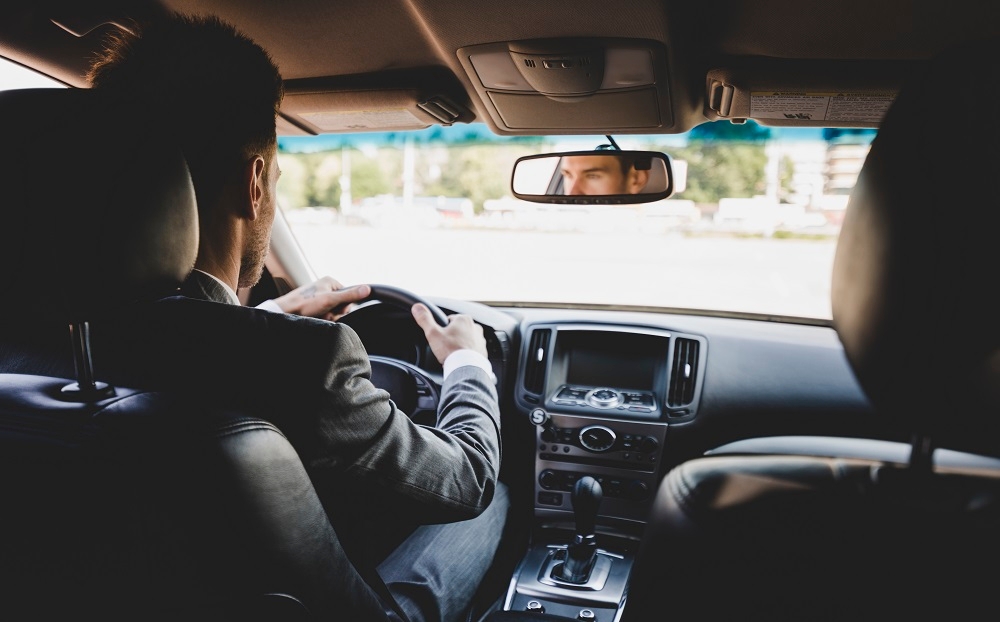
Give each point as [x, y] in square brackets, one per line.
[348, 295]
[419, 312]
[423, 317]
[330, 281]
[356, 292]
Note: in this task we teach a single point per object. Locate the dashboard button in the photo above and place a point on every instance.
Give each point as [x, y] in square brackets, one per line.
[550, 498]
[548, 479]
[637, 491]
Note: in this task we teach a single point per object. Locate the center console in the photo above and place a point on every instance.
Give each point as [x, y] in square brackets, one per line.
[601, 399]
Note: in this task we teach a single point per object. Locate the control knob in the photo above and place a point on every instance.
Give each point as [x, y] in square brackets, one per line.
[548, 479]
[603, 398]
[597, 438]
[648, 445]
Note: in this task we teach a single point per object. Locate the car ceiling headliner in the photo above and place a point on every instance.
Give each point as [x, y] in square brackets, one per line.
[323, 39]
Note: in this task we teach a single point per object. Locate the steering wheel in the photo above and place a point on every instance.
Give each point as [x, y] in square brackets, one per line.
[405, 299]
[414, 391]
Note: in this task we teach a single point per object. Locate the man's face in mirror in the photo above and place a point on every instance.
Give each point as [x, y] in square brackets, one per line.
[601, 175]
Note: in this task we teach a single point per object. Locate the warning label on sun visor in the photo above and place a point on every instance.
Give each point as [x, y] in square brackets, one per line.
[844, 107]
[363, 119]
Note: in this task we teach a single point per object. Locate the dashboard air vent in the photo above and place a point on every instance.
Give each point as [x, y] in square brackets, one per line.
[538, 354]
[682, 372]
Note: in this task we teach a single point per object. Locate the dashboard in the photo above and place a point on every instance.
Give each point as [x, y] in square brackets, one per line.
[601, 397]
[624, 395]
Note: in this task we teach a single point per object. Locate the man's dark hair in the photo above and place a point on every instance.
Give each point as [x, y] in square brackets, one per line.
[214, 88]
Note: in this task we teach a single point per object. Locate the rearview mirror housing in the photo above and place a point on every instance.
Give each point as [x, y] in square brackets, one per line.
[600, 177]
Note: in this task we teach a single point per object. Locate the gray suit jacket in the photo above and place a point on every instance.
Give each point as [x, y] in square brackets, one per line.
[311, 378]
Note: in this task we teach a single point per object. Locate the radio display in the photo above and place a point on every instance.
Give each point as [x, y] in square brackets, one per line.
[613, 359]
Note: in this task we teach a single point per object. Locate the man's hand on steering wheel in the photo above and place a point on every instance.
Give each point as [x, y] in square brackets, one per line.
[325, 299]
[460, 333]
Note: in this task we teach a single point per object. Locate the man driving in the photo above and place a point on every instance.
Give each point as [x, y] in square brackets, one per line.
[420, 505]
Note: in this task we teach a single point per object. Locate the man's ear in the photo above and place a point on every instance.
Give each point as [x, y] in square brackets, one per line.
[637, 181]
[253, 182]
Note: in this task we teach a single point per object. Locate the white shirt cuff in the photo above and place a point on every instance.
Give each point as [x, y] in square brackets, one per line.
[270, 305]
[460, 358]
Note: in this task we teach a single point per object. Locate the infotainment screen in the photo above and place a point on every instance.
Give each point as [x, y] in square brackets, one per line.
[613, 359]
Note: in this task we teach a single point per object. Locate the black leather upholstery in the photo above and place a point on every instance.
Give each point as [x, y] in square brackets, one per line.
[143, 507]
[138, 505]
[859, 529]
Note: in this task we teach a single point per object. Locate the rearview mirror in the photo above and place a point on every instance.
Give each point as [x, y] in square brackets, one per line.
[593, 177]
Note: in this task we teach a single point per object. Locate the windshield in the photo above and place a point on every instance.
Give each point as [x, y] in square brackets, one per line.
[751, 228]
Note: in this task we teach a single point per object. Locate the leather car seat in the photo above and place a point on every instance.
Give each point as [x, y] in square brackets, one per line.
[119, 503]
[818, 528]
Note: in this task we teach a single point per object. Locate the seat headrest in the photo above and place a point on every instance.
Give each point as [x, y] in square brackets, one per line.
[913, 296]
[98, 205]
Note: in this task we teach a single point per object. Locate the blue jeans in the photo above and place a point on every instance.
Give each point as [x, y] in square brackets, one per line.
[435, 572]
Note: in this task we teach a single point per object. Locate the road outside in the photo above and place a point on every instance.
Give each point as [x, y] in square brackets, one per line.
[751, 274]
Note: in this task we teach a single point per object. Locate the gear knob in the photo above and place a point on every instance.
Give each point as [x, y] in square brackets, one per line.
[586, 500]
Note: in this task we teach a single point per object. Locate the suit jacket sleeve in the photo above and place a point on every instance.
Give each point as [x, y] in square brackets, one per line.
[443, 473]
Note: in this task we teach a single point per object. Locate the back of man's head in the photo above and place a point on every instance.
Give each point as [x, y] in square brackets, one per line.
[213, 87]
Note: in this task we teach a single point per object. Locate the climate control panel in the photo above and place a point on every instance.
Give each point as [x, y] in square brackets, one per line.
[602, 438]
[623, 456]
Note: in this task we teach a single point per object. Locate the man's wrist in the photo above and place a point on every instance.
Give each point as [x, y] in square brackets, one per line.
[466, 356]
[271, 305]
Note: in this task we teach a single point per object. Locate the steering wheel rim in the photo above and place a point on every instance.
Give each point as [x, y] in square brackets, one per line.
[406, 299]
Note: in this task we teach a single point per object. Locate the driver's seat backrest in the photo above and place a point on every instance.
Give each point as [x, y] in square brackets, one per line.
[828, 528]
[120, 504]
[141, 506]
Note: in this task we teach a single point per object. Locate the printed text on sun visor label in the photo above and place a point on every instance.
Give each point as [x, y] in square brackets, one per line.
[867, 107]
[363, 119]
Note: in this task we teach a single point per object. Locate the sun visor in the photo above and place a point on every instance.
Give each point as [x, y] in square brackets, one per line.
[571, 85]
[785, 93]
[416, 100]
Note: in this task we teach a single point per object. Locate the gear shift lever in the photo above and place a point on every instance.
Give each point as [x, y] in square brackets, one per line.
[580, 555]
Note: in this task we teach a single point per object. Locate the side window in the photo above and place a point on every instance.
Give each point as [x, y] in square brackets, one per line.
[14, 76]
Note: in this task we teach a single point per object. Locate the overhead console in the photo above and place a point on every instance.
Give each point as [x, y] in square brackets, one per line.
[571, 85]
